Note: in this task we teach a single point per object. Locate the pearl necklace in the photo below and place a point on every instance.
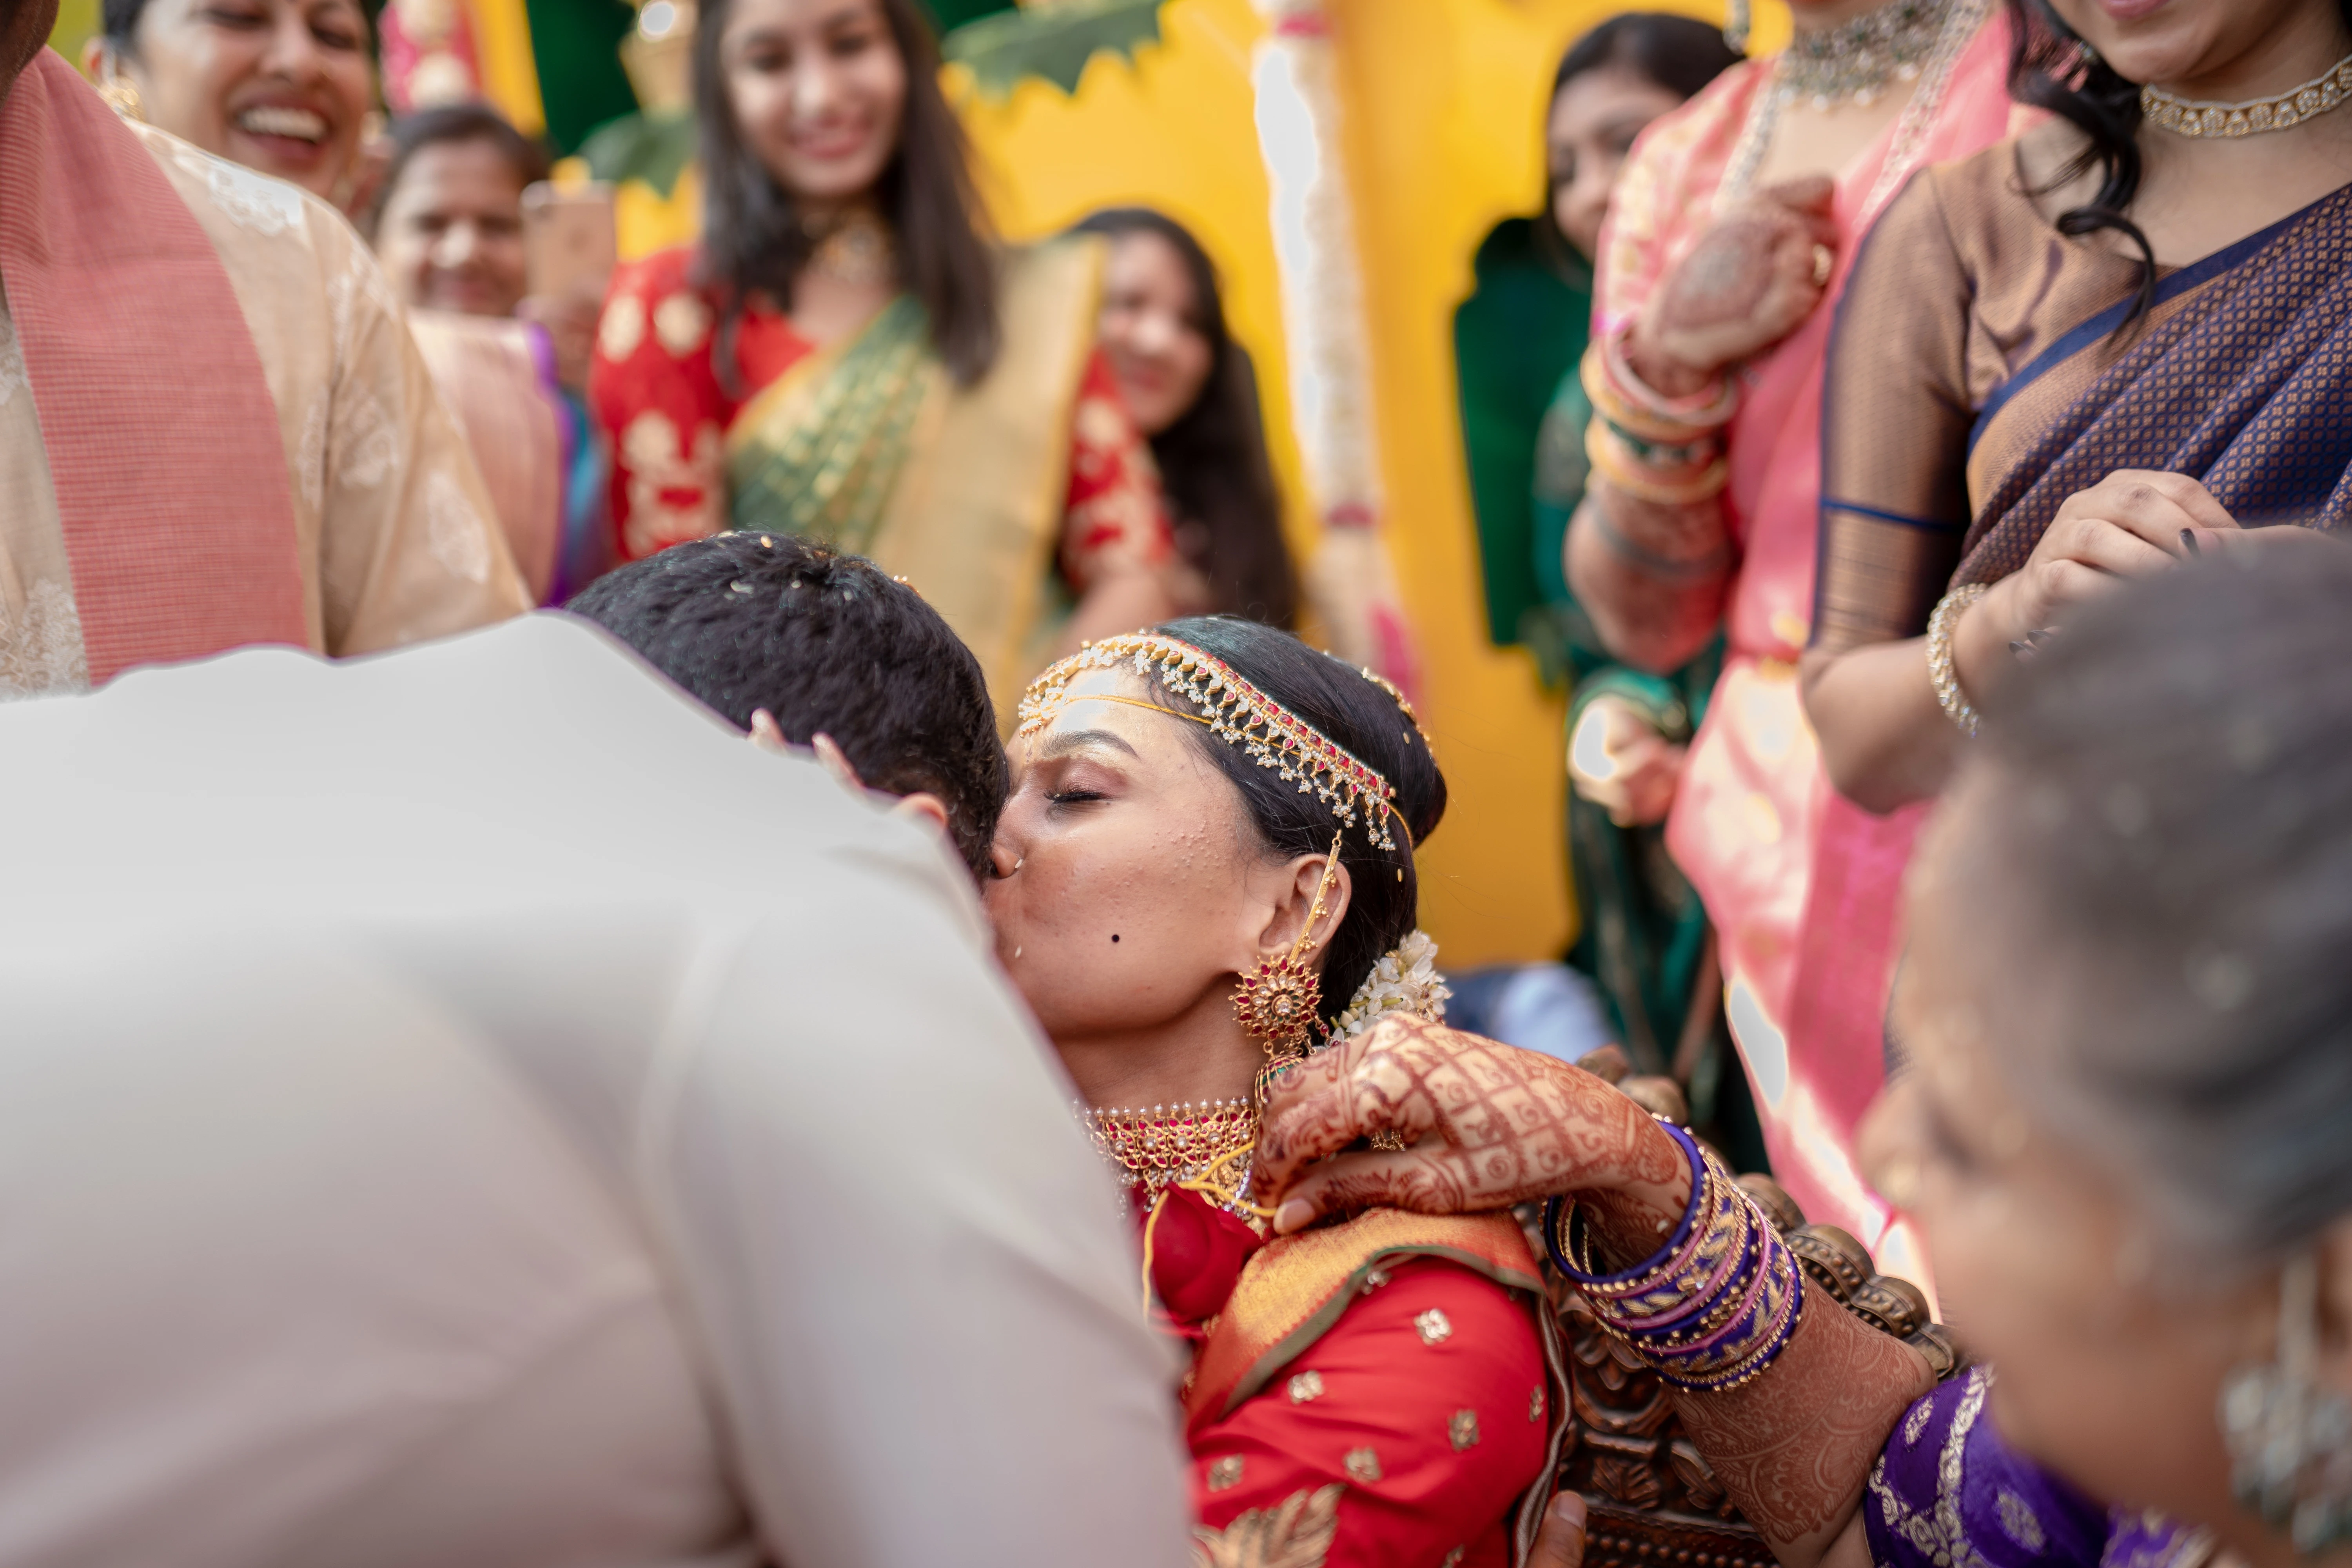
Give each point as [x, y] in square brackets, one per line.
[2189, 116]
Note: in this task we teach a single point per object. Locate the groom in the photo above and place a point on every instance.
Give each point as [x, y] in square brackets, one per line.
[468, 1107]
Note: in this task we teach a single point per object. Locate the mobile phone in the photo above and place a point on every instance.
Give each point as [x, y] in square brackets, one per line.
[570, 246]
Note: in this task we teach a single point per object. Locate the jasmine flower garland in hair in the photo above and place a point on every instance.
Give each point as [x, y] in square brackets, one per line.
[1405, 980]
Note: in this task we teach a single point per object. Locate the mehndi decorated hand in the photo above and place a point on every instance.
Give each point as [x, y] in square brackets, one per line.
[1485, 1126]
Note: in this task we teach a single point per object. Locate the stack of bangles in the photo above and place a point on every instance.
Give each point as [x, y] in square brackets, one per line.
[1716, 1306]
[1655, 448]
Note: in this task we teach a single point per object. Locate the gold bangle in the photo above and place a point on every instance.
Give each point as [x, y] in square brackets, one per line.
[1623, 470]
[1941, 672]
[1709, 409]
[1622, 407]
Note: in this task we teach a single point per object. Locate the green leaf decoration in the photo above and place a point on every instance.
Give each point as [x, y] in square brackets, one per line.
[1053, 41]
[652, 151]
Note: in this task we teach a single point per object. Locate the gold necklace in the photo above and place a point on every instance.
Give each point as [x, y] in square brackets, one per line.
[855, 248]
[2191, 117]
[1162, 1144]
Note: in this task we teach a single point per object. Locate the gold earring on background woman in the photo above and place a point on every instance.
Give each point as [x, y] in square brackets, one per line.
[121, 95]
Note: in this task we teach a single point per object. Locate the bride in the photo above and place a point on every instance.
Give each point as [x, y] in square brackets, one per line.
[1206, 868]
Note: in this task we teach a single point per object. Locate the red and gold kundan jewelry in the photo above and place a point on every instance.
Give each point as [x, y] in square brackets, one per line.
[1164, 1144]
[1237, 712]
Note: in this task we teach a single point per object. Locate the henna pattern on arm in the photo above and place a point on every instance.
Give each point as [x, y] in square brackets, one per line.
[1794, 1448]
[1488, 1126]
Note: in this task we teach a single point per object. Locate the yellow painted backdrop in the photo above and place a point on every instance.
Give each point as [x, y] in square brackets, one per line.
[1445, 101]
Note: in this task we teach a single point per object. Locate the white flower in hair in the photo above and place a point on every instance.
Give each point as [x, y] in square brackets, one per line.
[1405, 980]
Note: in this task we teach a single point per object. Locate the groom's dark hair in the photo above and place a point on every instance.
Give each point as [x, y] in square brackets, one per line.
[828, 644]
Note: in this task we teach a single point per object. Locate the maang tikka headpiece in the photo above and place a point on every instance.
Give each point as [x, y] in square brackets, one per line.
[1238, 713]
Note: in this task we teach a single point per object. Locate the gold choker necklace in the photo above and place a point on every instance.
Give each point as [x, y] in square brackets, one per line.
[855, 248]
[1162, 1144]
[2187, 117]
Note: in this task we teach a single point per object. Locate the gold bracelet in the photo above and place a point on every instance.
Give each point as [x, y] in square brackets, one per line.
[1628, 408]
[1941, 672]
[1623, 470]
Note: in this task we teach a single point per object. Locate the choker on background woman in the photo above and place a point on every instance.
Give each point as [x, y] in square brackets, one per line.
[1913, 43]
[2196, 117]
[855, 245]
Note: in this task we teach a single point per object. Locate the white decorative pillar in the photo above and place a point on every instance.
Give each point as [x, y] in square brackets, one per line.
[1350, 579]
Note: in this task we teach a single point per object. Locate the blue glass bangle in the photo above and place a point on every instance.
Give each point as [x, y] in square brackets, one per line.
[1553, 1206]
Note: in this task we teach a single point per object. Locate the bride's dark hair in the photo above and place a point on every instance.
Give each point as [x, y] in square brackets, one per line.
[2049, 66]
[1354, 712]
[751, 234]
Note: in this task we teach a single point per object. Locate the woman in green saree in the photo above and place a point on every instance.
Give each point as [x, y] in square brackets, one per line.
[847, 357]
[1524, 412]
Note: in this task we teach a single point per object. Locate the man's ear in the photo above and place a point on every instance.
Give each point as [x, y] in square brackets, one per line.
[923, 803]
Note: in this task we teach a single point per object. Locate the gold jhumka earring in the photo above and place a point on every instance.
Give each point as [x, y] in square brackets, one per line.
[121, 95]
[1276, 1003]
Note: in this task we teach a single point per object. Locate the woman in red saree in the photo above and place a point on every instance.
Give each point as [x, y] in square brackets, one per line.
[1206, 865]
[844, 357]
[1735, 223]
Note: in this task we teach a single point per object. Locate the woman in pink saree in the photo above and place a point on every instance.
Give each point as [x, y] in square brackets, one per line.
[1729, 238]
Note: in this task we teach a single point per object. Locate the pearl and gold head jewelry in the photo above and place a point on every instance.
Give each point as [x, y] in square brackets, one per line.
[1237, 712]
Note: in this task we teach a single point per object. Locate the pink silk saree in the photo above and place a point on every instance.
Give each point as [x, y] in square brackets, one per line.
[1800, 883]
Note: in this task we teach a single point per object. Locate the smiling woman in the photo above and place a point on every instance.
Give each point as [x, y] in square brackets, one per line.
[848, 357]
[281, 85]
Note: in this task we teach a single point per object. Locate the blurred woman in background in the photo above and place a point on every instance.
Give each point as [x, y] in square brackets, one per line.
[1644, 933]
[1736, 217]
[1192, 391]
[281, 85]
[286, 88]
[847, 355]
[2015, 337]
[449, 228]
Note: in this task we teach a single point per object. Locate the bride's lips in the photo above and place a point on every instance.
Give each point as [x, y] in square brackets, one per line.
[2132, 10]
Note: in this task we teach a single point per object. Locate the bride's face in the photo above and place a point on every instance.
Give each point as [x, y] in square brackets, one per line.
[1129, 880]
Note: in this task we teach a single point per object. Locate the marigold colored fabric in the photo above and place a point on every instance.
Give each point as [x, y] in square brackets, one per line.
[176, 508]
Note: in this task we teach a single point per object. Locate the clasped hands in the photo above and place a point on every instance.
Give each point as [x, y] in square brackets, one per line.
[1485, 1126]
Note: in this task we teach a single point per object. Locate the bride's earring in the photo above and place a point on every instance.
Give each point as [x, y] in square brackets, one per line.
[1735, 25]
[2290, 1437]
[1276, 1003]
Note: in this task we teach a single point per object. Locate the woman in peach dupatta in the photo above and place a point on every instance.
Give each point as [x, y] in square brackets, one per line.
[1721, 260]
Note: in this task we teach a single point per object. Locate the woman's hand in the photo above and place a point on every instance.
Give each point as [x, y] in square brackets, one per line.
[1619, 759]
[1486, 1126]
[2133, 523]
[1751, 279]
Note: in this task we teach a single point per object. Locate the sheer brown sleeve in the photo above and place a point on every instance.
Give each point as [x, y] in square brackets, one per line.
[1896, 416]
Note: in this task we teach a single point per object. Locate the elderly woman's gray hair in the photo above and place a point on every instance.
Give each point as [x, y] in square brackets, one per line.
[2155, 839]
